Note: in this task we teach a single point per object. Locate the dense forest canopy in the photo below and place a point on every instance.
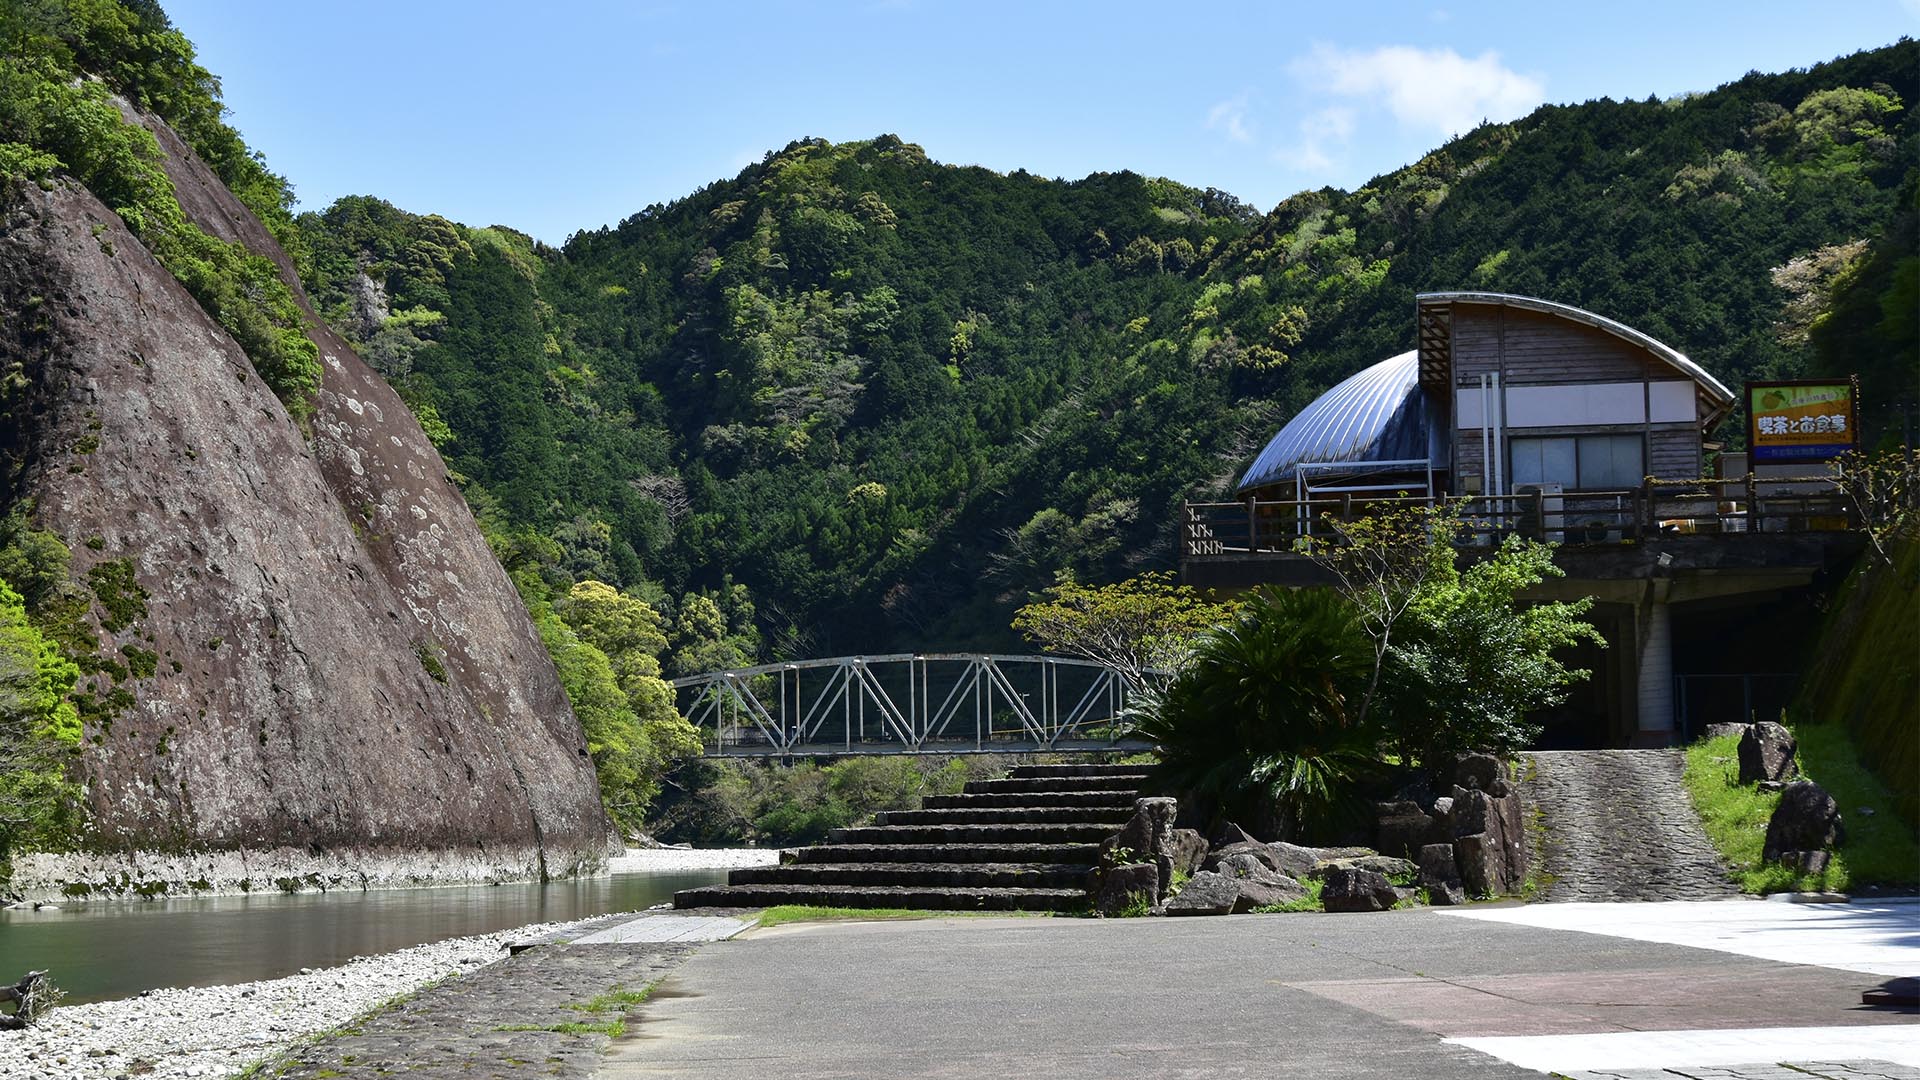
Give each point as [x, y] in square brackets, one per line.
[891, 398]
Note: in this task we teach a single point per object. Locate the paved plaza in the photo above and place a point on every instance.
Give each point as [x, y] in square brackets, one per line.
[1419, 993]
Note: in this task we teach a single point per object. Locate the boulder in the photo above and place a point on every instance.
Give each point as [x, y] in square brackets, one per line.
[1513, 838]
[1384, 865]
[1766, 753]
[1189, 850]
[1247, 867]
[1478, 770]
[1483, 868]
[1259, 894]
[1715, 731]
[1806, 819]
[1474, 811]
[1205, 893]
[1148, 835]
[1253, 849]
[1441, 874]
[1293, 860]
[1806, 862]
[1500, 788]
[1115, 888]
[1401, 828]
[1229, 834]
[1479, 813]
[1357, 890]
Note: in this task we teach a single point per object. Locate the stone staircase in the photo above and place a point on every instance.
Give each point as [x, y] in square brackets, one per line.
[1024, 843]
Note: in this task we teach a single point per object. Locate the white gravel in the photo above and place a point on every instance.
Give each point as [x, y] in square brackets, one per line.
[216, 1031]
[656, 860]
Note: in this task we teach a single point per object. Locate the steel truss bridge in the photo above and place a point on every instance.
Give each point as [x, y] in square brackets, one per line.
[910, 703]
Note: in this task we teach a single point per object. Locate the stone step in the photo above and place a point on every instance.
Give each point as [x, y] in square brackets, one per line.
[942, 853]
[1031, 772]
[1046, 784]
[1118, 798]
[1114, 816]
[883, 896]
[946, 875]
[1077, 833]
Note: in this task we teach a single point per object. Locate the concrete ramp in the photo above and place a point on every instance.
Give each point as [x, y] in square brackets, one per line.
[1621, 827]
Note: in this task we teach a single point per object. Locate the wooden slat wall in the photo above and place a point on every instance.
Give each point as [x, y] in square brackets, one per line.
[1542, 349]
[1673, 452]
[1538, 350]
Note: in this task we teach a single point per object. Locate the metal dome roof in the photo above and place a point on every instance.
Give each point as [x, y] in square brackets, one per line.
[1379, 414]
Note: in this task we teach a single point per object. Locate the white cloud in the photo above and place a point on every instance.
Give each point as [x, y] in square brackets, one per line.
[1435, 90]
[1323, 135]
[1230, 116]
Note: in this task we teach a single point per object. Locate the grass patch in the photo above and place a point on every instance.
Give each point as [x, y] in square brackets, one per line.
[612, 1029]
[1309, 902]
[616, 999]
[1879, 850]
[792, 913]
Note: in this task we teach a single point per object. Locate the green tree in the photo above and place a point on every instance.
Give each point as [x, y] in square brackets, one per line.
[39, 732]
[1144, 627]
[634, 734]
[1459, 660]
[1472, 660]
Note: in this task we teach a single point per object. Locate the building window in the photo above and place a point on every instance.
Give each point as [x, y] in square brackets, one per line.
[1580, 462]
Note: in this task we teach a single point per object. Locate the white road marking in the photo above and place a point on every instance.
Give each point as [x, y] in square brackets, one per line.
[1877, 937]
[1899, 1044]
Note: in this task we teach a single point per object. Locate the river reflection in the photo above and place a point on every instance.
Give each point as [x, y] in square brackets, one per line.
[111, 949]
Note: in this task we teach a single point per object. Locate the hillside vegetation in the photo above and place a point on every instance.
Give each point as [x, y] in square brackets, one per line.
[891, 397]
[854, 399]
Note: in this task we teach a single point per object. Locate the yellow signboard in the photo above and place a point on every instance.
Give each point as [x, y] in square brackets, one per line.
[1801, 421]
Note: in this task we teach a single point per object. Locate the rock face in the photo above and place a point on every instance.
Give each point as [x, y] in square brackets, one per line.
[1807, 819]
[1767, 753]
[342, 676]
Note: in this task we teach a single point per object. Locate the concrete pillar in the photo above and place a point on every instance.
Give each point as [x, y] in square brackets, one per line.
[1655, 699]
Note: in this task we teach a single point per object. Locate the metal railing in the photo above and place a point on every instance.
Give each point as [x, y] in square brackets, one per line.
[1699, 700]
[1662, 507]
[909, 703]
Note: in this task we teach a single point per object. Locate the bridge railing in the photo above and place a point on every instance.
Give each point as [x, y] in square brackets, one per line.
[909, 703]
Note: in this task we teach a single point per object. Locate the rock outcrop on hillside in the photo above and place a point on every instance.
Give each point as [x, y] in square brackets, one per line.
[331, 680]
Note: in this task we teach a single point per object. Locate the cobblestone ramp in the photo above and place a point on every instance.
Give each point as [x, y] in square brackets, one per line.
[1621, 827]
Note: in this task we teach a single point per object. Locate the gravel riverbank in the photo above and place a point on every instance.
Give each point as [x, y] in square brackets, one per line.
[216, 1031]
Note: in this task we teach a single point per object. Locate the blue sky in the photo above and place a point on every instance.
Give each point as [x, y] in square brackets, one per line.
[576, 113]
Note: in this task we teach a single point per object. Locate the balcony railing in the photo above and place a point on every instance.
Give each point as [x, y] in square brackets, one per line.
[1663, 507]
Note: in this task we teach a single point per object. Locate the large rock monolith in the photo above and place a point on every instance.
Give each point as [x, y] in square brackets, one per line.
[1806, 819]
[1767, 753]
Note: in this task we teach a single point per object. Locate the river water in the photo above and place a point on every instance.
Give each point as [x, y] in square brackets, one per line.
[111, 949]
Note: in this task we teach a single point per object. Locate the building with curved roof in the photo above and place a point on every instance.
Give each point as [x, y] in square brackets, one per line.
[1558, 423]
[1504, 393]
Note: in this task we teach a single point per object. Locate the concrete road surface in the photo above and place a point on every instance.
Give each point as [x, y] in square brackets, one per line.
[1321, 996]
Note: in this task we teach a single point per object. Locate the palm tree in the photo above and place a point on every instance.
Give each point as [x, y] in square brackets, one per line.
[1263, 723]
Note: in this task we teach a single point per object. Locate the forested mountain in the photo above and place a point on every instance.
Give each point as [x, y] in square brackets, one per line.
[891, 397]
